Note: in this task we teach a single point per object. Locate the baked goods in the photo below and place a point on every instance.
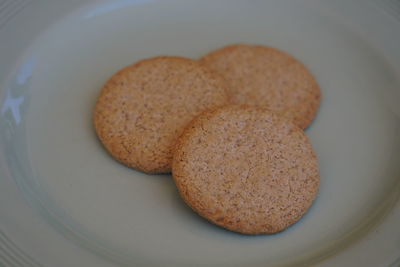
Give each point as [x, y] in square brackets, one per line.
[144, 107]
[265, 76]
[230, 128]
[246, 169]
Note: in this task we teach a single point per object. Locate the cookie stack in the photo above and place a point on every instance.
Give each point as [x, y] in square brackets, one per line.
[230, 128]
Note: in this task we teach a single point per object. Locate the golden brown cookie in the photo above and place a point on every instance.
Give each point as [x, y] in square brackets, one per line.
[144, 107]
[260, 75]
[246, 169]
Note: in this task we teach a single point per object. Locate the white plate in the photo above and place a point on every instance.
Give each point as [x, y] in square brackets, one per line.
[65, 202]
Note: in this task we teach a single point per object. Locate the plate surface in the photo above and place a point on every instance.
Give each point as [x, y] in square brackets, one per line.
[65, 202]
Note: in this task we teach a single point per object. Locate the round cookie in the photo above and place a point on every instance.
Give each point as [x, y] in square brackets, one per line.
[246, 169]
[260, 75]
[144, 107]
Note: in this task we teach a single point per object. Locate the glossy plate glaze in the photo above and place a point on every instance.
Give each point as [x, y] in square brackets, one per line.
[65, 202]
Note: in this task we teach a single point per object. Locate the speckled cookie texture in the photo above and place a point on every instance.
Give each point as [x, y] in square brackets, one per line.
[260, 75]
[144, 107]
[246, 169]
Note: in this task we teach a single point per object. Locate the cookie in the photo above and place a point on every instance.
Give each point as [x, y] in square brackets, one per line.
[246, 169]
[143, 108]
[265, 76]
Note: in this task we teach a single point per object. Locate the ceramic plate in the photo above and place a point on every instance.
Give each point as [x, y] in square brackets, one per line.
[65, 202]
